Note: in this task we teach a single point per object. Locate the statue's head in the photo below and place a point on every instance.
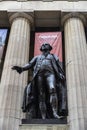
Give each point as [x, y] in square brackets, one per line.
[46, 46]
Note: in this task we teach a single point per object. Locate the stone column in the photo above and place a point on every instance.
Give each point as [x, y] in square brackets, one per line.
[12, 84]
[76, 70]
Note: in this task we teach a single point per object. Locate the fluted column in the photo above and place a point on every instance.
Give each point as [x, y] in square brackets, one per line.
[12, 84]
[76, 70]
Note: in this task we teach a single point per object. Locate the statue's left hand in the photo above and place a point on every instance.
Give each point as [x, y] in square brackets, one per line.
[62, 77]
[18, 69]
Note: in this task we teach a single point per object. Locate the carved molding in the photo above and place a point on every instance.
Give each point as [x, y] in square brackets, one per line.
[73, 15]
[22, 0]
[14, 16]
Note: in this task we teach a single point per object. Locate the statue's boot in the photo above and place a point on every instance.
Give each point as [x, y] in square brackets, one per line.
[56, 116]
[42, 107]
[54, 105]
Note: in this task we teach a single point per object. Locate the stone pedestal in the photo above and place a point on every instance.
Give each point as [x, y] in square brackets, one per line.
[43, 127]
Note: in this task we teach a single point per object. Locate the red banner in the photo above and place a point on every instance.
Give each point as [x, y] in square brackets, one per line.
[53, 38]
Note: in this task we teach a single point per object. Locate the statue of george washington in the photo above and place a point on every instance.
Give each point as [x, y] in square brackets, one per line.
[45, 96]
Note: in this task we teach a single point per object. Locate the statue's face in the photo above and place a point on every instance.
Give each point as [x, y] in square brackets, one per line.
[46, 47]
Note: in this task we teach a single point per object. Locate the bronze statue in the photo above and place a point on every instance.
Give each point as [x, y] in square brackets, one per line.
[45, 95]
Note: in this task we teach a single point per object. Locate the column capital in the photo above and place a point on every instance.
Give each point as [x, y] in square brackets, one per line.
[67, 16]
[15, 15]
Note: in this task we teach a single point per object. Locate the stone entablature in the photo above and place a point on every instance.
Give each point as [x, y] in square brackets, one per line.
[44, 0]
[41, 5]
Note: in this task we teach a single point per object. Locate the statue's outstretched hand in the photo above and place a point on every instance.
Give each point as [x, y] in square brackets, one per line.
[18, 69]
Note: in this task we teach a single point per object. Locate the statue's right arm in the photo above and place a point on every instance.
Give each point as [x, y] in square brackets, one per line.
[30, 64]
[27, 66]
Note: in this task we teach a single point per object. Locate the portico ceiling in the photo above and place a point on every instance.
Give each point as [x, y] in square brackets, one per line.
[41, 18]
